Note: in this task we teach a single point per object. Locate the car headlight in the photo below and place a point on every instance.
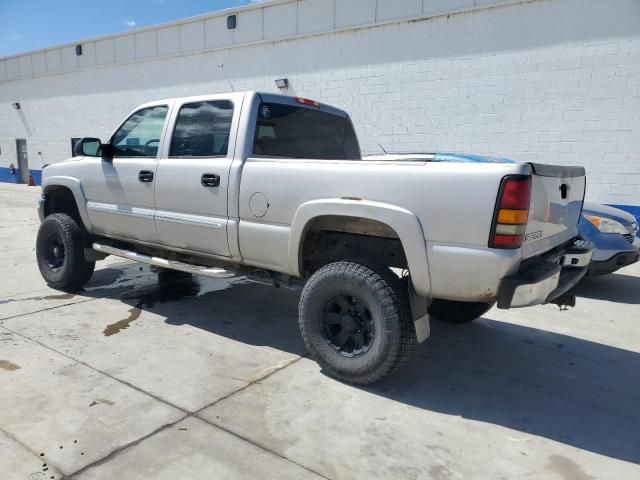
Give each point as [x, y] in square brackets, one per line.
[607, 225]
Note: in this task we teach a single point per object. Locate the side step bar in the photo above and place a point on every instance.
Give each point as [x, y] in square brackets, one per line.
[212, 272]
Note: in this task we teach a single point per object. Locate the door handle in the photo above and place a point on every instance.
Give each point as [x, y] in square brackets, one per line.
[210, 180]
[145, 176]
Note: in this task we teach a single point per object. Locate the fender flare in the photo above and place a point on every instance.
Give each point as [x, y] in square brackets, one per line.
[406, 225]
[73, 184]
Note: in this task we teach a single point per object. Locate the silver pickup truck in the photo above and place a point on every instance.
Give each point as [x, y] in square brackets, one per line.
[234, 184]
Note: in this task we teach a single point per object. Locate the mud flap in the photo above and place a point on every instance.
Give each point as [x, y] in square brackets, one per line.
[90, 255]
[420, 314]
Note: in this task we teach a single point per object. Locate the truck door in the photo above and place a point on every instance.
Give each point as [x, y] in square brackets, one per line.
[120, 192]
[193, 176]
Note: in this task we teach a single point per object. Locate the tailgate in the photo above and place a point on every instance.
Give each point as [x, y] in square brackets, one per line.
[557, 194]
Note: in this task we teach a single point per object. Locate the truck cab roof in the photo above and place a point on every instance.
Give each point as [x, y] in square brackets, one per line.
[261, 96]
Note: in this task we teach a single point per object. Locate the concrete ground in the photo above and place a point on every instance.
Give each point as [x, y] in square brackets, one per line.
[187, 378]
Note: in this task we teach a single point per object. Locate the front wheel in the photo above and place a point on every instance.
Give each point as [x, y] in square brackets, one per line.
[60, 253]
[457, 312]
[355, 321]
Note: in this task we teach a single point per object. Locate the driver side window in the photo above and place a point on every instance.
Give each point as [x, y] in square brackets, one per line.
[140, 135]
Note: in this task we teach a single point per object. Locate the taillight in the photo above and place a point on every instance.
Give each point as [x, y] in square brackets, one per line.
[512, 212]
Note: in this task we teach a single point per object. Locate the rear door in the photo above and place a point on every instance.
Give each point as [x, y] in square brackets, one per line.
[193, 175]
[557, 195]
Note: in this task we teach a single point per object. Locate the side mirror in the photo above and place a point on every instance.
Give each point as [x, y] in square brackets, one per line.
[93, 147]
[87, 147]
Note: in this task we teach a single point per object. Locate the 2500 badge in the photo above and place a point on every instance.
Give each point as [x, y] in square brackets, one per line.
[530, 237]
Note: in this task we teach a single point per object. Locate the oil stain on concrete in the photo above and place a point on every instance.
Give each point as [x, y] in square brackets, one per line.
[134, 314]
[170, 288]
[102, 401]
[566, 468]
[63, 296]
[9, 366]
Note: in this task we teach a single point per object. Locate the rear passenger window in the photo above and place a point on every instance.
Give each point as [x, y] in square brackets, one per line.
[202, 129]
[296, 132]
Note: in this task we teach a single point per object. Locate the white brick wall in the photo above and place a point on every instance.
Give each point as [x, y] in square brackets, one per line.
[549, 81]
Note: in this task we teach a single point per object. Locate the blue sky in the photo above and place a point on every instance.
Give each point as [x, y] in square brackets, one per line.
[32, 24]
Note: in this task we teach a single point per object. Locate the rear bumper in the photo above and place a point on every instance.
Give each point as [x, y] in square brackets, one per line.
[618, 261]
[546, 278]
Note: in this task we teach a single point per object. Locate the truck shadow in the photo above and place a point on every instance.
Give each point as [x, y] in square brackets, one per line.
[541, 383]
[243, 310]
[616, 287]
[532, 381]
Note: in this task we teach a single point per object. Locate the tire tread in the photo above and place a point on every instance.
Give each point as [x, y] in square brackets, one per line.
[381, 281]
[78, 271]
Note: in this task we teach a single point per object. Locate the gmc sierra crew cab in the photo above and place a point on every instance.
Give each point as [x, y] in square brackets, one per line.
[233, 184]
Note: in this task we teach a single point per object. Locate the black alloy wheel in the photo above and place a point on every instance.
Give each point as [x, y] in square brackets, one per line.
[348, 325]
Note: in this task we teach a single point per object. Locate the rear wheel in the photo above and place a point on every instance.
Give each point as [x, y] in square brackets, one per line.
[355, 320]
[457, 312]
[60, 253]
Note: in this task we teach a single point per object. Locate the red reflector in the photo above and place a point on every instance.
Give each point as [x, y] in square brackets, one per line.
[516, 193]
[306, 101]
[513, 241]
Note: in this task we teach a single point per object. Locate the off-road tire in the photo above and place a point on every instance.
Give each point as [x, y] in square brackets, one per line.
[386, 301]
[71, 271]
[450, 311]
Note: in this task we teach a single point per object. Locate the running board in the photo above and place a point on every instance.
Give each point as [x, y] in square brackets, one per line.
[212, 272]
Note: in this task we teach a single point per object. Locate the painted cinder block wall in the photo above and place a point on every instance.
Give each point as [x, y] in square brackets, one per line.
[547, 80]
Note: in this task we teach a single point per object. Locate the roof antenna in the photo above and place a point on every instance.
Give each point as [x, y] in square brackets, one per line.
[382, 148]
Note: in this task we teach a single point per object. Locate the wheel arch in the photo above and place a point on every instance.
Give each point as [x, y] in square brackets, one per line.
[58, 193]
[404, 224]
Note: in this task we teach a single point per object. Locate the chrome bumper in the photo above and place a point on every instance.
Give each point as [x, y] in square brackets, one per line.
[544, 279]
[530, 294]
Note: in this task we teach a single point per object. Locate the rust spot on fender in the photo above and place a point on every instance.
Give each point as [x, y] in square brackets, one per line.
[488, 296]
